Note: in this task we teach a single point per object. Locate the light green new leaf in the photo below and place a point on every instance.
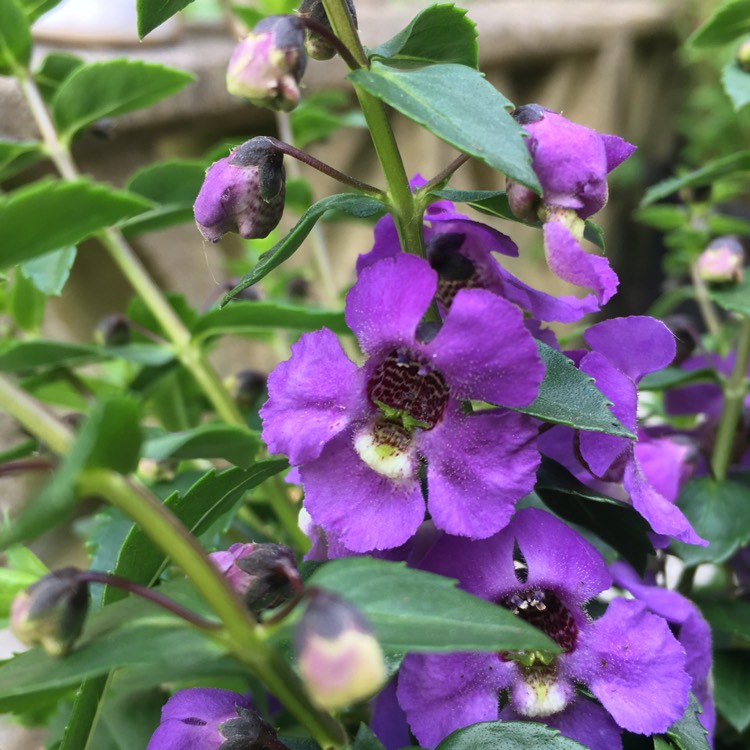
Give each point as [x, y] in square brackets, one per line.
[728, 22]
[736, 83]
[15, 37]
[457, 104]
[107, 89]
[50, 272]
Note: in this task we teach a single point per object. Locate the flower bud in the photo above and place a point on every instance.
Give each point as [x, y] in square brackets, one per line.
[339, 658]
[113, 330]
[51, 611]
[249, 387]
[743, 56]
[244, 192]
[268, 64]
[317, 46]
[722, 261]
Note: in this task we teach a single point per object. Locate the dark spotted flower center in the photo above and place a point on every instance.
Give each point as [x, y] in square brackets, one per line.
[543, 609]
[408, 390]
[455, 271]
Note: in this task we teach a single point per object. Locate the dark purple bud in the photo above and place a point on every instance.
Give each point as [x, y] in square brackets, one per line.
[51, 612]
[298, 287]
[244, 192]
[268, 64]
[249, 386]
[318, 47]
[722, 261]
[114, 330]
[339, 658]
[528, 113]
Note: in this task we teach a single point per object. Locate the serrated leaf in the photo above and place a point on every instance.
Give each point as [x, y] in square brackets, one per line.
[728, 22]
[237, 445]
[457, 104]
[72, 211]
[688, 733]
[17, 155]
[353, 204]
[733, 297]
[412, 610]
[568, 396]
[153, 13]
[508, 735]
[439, 34]
[55, 68]
[616, 523]
[15, 37]
[736, 83]
[252, 317]
[720, 513]
[50, 272]
[366, 739]
[732, 688]
[110, 88]
[706, 175]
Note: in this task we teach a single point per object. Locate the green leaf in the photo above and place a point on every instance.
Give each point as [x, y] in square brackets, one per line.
[17, 155]
[15, 37]
[732, 688]
[22, 356]
[26, 305]
[728, 22]
[173, 187]
[664, 217]
[439, 34]
[22, 568]
[688, 733]
[360, 206]
[458, 105]
[252, 317]
[72, 211]
[107, 89]
[736, 83]
[366, 739]
[720, 513]
[55, 68]
[35, 8]
[617, 524]
[320, 115]
[729, 621]
[568, 396]
[661, 744]
[508, 735]
[733, 297]
[50, 272]
[237, 445]
[153, 13]
[706, 175]
[671, 377]
[411, 610]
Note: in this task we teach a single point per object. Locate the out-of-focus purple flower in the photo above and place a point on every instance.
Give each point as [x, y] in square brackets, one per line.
[722, 261]
[623, 350]
[358, 434]
[461, 251]
[244, 192]
[572, 163]
[209, 719]
[693, 632]
[268, 64]
[628, 658]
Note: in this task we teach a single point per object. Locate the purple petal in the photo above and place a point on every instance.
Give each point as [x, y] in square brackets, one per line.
[388, 301]
[478, 237]
[634, 665]
[362, 509]
[636, 345]
[311, 398]
[664, 462]
[388, 720]
[445, 692]
[386, 245]
[617, 150]
[474, 478]
[479, 364]
[568, 260]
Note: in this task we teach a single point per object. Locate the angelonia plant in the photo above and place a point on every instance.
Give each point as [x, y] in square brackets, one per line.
[439, 521]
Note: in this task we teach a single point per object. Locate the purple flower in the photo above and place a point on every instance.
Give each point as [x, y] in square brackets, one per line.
[206, 718]
[572, 163]
[693, 632]
[623, 350]
[461, 251]
[545, 573]
[358, 434]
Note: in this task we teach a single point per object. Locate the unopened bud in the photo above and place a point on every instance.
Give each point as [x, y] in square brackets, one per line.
[51, 612]
[743, 56]
[244, 192]
[524, 203]
[339, 658]
[268, 64]
[318, 47]
[113, 330]
[722, 261]
[249, 386]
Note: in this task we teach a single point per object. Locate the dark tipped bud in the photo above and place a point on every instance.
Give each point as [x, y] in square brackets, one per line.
[743, 56]
[268, 64]
[51, 612]
[722, 261]
[248, 732]
[528, 113]
[114, 330]
[244, 192]
[318, 47]
[298, 287]
[249, 386]
[339, 658]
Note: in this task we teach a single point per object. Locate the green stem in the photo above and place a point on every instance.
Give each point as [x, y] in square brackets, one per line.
[287, 513]
[735, 390]
[703, 300]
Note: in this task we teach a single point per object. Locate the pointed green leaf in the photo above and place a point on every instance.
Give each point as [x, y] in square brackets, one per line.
[439, 34]
[35, 8]
[568, 396]
[71, 211]
[508, 735]
[366, 739]
[237, 445]
[107, 89]
[732, 688]
[153, 13]
[688, 733]
[457, 104]
[736, 83]
[55, 68]
[728, 22]
[359, 206]
[15, 37]
[17, 155]
[50, 272]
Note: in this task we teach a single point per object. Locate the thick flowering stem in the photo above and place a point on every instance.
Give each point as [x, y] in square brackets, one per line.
[735, 390]
[132, 268]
